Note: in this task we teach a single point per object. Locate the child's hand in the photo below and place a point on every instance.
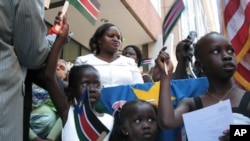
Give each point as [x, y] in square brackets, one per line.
[226, 135]
[61, 25]
[162, 59]
[64, 28]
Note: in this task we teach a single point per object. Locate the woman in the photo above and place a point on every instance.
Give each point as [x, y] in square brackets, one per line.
[134, 52]
[114, 69]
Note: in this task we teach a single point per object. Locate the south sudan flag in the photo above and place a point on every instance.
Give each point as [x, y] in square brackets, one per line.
[88, 126]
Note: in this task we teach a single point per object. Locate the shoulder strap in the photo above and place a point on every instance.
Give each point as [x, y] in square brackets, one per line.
[197, 102]
[245, 100]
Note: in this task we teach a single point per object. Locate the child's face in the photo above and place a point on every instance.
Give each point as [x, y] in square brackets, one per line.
[90, 79]
[217, 57]
[141, 123]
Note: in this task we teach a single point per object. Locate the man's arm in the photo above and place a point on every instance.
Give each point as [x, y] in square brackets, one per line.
[29, 41]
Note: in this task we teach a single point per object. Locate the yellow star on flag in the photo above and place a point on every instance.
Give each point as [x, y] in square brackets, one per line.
[151, 95]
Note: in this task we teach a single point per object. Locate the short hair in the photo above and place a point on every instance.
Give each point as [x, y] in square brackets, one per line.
[200, 44]
[66, 68]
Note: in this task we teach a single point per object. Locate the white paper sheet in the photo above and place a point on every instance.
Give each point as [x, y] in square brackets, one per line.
[208, 123]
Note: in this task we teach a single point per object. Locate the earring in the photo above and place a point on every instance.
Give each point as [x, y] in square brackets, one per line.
[75, 101]
[126, 133]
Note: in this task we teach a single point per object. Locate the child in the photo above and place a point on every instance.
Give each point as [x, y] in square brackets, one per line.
[216, 56]
[81, 78]
[135, 121]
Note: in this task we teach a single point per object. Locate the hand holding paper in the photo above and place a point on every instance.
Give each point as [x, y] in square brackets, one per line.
[208, 122]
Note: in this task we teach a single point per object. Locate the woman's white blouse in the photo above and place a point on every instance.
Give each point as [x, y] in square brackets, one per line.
[122, 71]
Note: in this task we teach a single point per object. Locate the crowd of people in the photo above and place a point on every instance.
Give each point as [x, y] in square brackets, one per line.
[60, 100]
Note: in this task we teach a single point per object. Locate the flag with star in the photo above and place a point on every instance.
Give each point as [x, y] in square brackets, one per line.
[150, 92]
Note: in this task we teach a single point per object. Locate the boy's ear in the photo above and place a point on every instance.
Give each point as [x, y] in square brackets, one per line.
[123, 129]
[198, 63]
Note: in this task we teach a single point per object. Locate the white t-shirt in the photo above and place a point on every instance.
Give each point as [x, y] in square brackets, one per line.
[122, 71]
[69, 132]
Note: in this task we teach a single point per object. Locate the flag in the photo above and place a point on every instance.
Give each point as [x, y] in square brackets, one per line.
[88, 8]
[147, 61]
[88, 126]
[150, 92]
[237, 29]
[171, 18]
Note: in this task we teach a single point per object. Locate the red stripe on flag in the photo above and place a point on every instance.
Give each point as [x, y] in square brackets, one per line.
[244, 72]
[90, 7]
[230, 9]
[173, 13]
[171, 18]
[242, 35]
[240, 38]
[86, 125]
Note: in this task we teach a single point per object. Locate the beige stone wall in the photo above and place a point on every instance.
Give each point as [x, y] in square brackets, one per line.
[146, 15]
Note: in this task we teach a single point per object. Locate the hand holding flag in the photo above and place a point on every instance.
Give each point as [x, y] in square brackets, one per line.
[57, 27]
[163, 62]
[169, 22]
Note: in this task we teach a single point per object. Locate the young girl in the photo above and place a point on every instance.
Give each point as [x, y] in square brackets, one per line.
[216, 56]
[135, 121]
[81, 78]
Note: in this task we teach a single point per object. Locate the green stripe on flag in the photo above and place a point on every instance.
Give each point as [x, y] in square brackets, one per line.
[83, 11]
[80, 134]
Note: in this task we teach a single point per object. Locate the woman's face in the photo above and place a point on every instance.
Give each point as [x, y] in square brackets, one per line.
[130, 52]
[110, 41]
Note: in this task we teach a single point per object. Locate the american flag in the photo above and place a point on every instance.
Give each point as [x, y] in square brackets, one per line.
[237, 29]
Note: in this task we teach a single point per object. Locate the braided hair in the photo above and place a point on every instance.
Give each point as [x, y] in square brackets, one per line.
[73, 80]
[121, 115]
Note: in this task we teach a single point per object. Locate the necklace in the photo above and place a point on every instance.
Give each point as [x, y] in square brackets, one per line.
[220, 99]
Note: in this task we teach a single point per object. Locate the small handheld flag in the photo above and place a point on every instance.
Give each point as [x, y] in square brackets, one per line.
[56, 28]
[88, 126]
[171, 18]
